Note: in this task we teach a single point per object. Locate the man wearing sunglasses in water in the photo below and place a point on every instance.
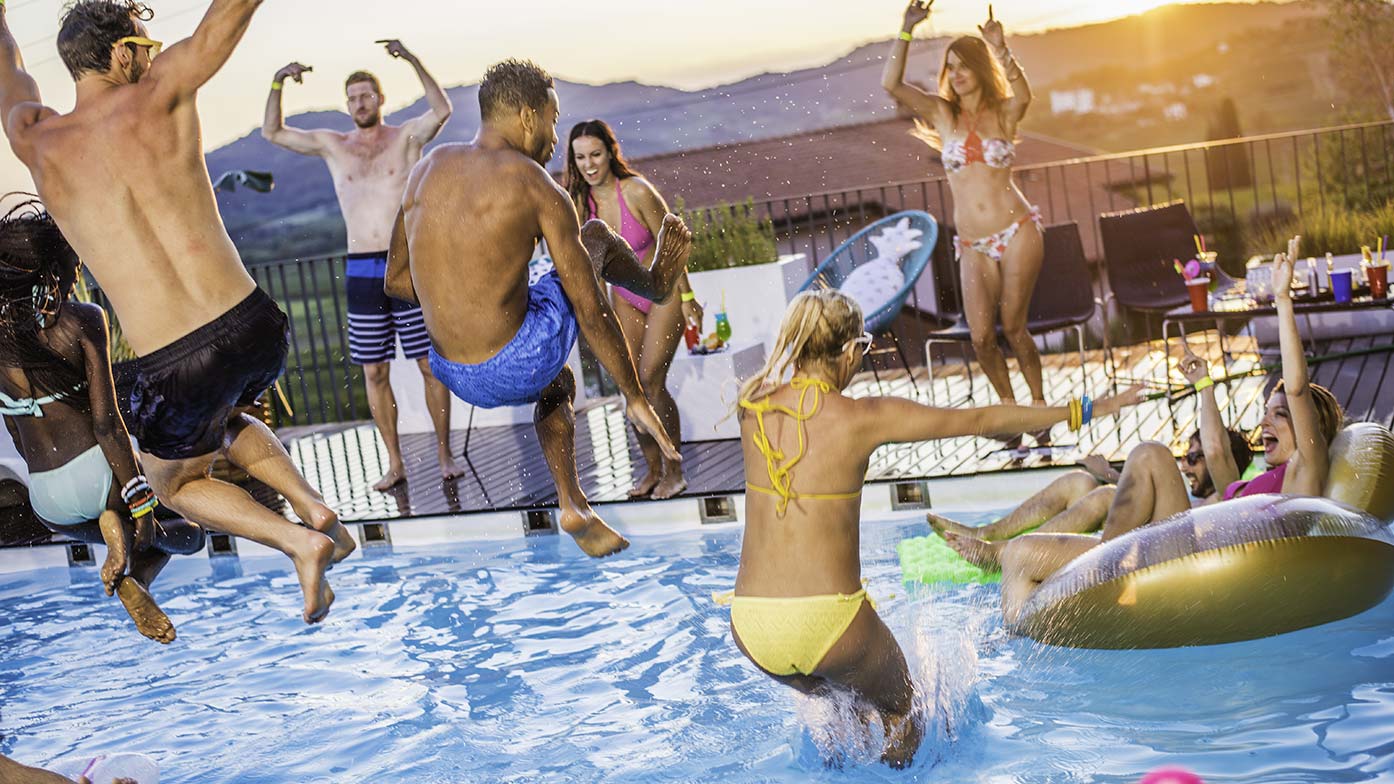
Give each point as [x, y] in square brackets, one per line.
[123, 174]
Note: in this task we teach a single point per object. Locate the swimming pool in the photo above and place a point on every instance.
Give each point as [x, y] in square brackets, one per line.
[525, 661]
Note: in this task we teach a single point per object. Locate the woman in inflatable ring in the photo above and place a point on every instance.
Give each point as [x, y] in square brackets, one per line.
[799, 611]
[1299, 424]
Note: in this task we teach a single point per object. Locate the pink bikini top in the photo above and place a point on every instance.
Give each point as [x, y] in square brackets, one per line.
[634, 232]
[1270, 481]
[996, 153]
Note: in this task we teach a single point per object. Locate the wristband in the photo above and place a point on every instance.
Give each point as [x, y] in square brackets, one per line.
[138, 482]
[1204, 383]
[689, 296]
[275, 86]
[1076, 414]
[905, 35]
[1088, 412]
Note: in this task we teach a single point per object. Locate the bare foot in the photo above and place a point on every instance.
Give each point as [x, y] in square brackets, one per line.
[645, 486]
[673, 483]
[591, 533]
[449, 469]
[311, 558]
[641, 415]
[395, 475]
[942, 525]
[114, 534]
[902, 741]
[325, 520]
[150, 620]
[670, 254]
[975, 551]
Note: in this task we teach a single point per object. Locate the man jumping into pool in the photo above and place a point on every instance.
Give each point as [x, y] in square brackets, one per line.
[370, 165]
[469, 221]
[124, 177]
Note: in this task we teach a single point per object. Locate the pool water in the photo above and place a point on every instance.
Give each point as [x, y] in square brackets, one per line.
[526, 661]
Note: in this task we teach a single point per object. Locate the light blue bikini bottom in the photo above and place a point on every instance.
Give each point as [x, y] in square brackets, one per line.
[75, 492]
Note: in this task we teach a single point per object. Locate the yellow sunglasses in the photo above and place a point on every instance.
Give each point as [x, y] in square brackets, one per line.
[155, 46]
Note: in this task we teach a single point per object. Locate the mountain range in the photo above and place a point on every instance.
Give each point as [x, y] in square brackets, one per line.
[300, 217]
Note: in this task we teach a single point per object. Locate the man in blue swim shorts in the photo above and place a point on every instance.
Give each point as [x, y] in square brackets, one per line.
[469, 221]
[369, 165]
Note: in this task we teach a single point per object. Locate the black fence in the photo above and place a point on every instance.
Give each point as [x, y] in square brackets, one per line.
[1235, 188]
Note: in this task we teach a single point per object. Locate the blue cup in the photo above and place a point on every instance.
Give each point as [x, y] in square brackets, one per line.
[1341, 284]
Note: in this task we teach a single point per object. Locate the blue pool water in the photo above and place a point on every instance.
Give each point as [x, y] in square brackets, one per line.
[526, 661]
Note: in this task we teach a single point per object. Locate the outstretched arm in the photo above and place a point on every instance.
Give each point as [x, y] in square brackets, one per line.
[189, 64]
[930, 107]
[19, 93]
[1311, 444]
[424, 128]
[1021, 90]
[893, 420]
[1214, 440]
[398, 282]
[273, 126]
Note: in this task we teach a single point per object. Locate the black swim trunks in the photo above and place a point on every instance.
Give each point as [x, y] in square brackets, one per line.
[185, 392]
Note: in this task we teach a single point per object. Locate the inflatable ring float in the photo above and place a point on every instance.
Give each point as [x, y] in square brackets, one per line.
[1239, 570]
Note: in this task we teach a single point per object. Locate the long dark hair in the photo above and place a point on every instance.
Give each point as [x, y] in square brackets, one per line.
[576, 185]
[38, 269]
[992, 82]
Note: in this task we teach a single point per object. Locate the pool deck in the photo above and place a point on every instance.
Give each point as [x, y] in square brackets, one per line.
[505, 469]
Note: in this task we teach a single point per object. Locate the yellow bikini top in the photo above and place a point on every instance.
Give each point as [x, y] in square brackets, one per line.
[782, 476]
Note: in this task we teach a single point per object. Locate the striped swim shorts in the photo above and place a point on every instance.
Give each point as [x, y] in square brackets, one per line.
[376, 321]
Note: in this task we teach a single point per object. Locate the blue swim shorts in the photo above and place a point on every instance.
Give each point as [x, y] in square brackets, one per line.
[522, 369]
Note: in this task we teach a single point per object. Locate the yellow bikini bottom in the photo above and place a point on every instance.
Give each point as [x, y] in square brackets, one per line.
[789, 635]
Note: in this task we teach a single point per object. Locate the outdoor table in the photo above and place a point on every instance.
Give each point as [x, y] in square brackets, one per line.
[1234, 305]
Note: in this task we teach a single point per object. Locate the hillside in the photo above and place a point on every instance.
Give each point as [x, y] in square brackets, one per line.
[301, 217]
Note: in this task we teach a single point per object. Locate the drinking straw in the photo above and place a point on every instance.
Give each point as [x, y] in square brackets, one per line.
[1383, 243]
[1200, 243]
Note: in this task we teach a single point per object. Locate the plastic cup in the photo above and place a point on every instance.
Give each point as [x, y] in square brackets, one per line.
[1341, 284]
[1379, 280]
[1199, 289]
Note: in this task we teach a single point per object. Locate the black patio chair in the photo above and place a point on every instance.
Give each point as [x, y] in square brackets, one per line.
[1140, 247]
[1063, 299]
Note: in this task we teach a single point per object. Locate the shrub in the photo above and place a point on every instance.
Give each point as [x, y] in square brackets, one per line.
[729, 235]
[1339, 231]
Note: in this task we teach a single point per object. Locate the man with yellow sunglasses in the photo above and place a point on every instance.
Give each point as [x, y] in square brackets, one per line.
[123, 174]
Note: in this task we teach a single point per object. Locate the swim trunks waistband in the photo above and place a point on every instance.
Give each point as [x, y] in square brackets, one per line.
[162, 359]
[366, 265]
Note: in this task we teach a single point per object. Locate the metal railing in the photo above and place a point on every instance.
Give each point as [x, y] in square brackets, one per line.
[1231, 186]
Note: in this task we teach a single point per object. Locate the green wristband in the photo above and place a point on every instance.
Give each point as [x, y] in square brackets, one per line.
[689, 296]
[905, 35]
[1204, 383]
[275, 86]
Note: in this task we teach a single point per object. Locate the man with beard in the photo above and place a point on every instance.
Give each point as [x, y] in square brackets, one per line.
[123, 175]
[370, 165]
[470, 218]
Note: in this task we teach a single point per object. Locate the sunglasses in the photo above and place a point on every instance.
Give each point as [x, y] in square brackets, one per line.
[864, 341]
[1193, 458]
[155, 46]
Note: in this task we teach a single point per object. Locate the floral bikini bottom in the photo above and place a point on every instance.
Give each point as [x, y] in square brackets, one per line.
[994, 245]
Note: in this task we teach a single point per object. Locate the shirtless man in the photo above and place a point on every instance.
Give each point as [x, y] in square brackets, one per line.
[469, 221]
[370, 166]
[123, 175]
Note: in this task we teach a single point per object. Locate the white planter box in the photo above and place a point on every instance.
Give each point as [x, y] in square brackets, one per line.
[706, 385]
[756, 297]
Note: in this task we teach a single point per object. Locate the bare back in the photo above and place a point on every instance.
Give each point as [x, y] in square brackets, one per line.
[125, 179]
[815, 547]
[65, 429]
[472, 220]
[370, 174]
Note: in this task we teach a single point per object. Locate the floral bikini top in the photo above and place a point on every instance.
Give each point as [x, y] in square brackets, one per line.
[959, 153]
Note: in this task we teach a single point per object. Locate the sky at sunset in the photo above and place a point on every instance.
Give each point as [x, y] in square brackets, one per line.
[688, 45]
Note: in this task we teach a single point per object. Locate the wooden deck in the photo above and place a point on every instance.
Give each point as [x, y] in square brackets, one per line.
[506, 470]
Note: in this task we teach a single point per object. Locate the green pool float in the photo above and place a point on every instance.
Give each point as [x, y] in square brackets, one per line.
[929, 559]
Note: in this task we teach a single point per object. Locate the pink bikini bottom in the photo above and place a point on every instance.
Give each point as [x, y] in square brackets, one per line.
[640, 304]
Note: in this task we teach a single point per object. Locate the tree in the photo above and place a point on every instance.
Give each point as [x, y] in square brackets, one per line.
[1362, 48]
[1229, 164]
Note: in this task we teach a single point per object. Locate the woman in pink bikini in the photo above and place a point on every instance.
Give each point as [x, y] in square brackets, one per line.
[603, 186]
[1299, 424]
[973, 120]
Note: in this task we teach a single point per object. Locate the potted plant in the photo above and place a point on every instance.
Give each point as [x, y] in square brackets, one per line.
[735, 263]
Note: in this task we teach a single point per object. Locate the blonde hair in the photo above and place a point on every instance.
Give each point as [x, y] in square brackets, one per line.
[816, 328]
[992, 80]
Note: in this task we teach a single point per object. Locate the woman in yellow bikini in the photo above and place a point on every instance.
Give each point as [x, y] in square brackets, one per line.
[799, 611]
